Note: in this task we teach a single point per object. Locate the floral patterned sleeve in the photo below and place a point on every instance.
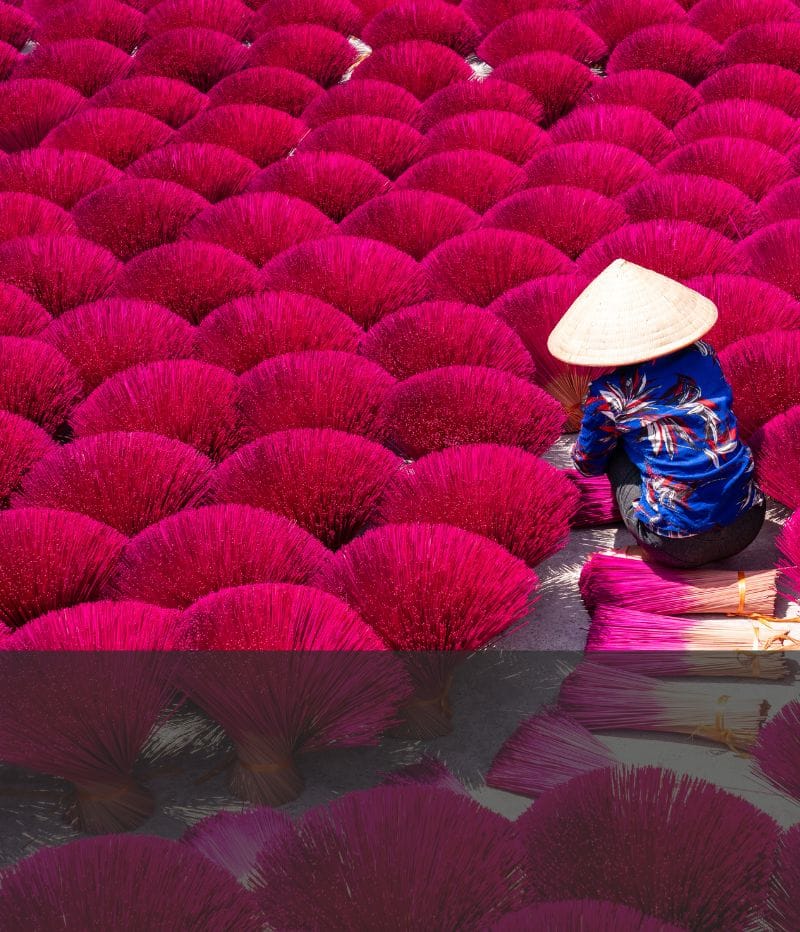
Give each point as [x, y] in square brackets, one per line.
[598, 434]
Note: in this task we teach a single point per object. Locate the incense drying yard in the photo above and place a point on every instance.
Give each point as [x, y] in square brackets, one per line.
[298, 587]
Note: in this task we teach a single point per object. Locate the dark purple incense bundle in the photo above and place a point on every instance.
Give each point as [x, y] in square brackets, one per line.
[363, 98]
[288, 670]
[20, 315]
[756, 402]
[230, 17]
[545, 30]
[604, 697]
[214, 172]
[675, 847]
[664, 95]
[298, 473]
[364, 278]
[258, 226]
[688, 53]
[718, 205]
[105, 879]
[200, 57]
[470, 404]
[505, 134]
[106, 20]
[468, 96]
[339, 15]
[479, 266]
[722, 19]
[28, 215]
[772, 253]
[51, 560]
[22, 445]
[633, 583]
[178, 398]
[261, 134]
[167, 99]
[603, 167]
[546, 750]
[332, 181]
[555, 80]
[777, 452]
[576, 915]
[631, 127]
[386, 857]
[117, 135]
[777, 751]
[478, 179]
[746, 305]
[125, 480]
[191, 278]
[419, 66]
[782, 911]
[615, 20]
[678, 249]
[31, 107]
[569, 218]
[389, 145]
[748, 119]
[444, 333]
[769, 83]
[130, 217]
[410, 220]
[459, 591]
[60, 272]
[241, 334]
[433, 20]
[233, 840]
[315, 389]
[750, 165]
[197, 551]
[315, 51]
[597, 505]
[280, 88]
[37, 382]
[508, 495]
[85, 64]
[429, 771]
[105, 337]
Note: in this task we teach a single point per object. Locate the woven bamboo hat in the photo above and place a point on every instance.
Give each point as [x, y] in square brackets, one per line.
[629, 314]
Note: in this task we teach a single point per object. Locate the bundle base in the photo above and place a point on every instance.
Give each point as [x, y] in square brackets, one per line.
[102, 809]
[266, 782]
[425, 717]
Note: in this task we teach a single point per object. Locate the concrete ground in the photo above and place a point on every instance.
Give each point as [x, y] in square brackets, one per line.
[491, 694]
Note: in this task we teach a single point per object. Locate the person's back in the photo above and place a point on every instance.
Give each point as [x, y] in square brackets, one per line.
[673, 417]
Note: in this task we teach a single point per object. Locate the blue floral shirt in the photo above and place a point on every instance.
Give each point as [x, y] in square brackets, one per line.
[673, 417]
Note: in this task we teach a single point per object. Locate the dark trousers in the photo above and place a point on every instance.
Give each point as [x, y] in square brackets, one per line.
[697, 550]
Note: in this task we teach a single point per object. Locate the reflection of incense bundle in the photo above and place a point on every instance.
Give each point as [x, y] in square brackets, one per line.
[633, 583]
[606, 698]
[675, 847]
[777, 751]
[789, 546]
[127, 884]
[784, 898]
[580, 915]
[545, 751]
[667, 646]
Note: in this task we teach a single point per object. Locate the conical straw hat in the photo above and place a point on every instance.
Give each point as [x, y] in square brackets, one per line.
[630, 314]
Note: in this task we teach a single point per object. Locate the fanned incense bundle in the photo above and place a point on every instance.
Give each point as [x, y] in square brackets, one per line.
[783, 912]
[315, 51]
[466, 96]
[777, 751]
[20, 315]
[607, 698]
[386, 858]
[200, 57]
[365, 98]
[664, 95]
[214, 172]
[173, 102]
[777, 451]
[661, 645]
[546, 750]
[116, 23]
[419, 66]
[125, 884]
[768, 83]
[24, 214]
[580, 915]
[61, 177]
[789, 545]
[675, 847]
[597, 504]
[433, 20]
[85, 64]
[633, 583]
[271, 87]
